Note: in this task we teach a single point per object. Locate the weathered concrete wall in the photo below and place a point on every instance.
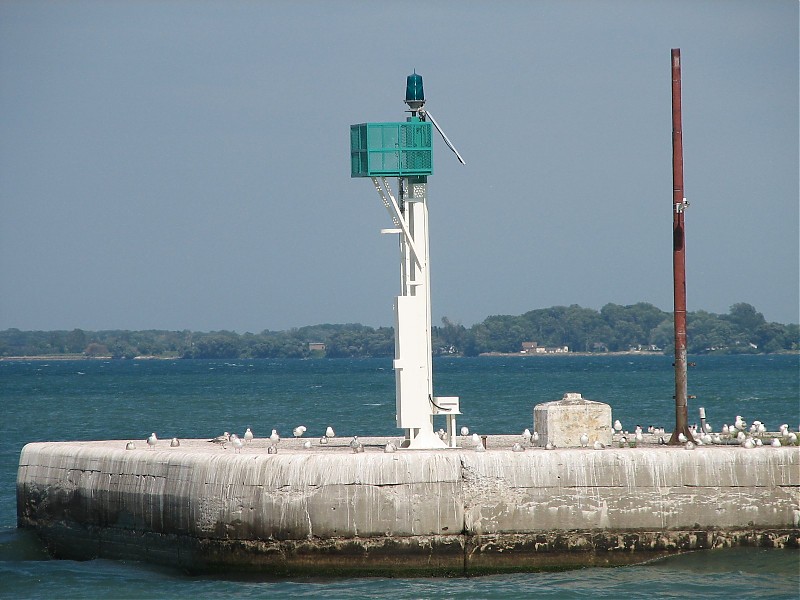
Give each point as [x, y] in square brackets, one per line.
[452, 511]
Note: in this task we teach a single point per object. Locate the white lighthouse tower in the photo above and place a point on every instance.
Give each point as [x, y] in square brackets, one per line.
[405, 150]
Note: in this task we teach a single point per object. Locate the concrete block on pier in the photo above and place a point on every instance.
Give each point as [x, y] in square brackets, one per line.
[563, 422]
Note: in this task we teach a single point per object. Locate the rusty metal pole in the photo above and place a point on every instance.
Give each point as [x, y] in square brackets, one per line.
[679, 257]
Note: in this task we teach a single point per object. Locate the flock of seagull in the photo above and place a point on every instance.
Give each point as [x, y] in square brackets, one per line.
[739, 432]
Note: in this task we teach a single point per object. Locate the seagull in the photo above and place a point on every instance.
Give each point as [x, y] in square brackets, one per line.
[476, 439]
[617, 426]
[689, 446]
[598, 445]
[682, 438]
[708, 428]
[465, 431]
[639, 437]
[152, 440]
[329, 432]
[740, 436]
[748, 443]
[237, 443]
[130, 446]
[535, 437]
[272, 450]
[299, 431]
[716, 439]
[761, 427]
[248, 436]
[323, 439]
[792, 438]
[759, 442]
[441, 433]
[526, 435]
[307, 444]
[274, 437]
[517, 447]
[221, 439]
[638, 429]
[662, 441]
[739, 423]
[776, 443]
[390, 447]
[549, 446]
[354, 443]
[174, 443]
[725, 429]
[584, 440]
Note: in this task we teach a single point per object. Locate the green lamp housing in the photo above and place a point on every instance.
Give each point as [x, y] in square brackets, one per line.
[391, 149]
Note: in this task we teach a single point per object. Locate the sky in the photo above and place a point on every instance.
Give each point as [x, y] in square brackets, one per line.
[185, 164]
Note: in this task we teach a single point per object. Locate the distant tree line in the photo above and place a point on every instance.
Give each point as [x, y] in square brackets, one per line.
[613, 328]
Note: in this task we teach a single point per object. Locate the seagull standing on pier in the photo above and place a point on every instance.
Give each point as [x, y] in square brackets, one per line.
[329, 432]
[248, 436]
[152, 440]
[274, 437]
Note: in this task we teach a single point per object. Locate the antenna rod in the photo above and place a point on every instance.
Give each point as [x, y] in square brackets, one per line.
[444, 137]
[678, 257]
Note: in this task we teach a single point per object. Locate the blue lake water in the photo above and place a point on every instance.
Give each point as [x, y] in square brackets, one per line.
[79, 400]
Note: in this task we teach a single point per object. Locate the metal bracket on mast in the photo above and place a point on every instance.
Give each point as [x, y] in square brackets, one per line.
[393, 208]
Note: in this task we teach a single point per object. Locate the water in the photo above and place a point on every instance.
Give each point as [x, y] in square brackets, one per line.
[65, 400]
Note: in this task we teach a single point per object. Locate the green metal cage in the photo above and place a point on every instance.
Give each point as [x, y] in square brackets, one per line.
[391, 149]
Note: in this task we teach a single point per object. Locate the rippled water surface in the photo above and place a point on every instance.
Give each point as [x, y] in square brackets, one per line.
[66, 400]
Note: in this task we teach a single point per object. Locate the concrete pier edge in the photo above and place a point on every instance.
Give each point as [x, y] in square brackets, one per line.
[326, 511]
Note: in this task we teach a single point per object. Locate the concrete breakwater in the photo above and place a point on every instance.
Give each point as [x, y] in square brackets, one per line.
[326, 510]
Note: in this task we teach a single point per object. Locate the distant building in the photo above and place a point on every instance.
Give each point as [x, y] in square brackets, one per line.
[316, 347]
[535, 348]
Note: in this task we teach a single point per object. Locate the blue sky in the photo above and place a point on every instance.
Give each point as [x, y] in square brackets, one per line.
[185, 165]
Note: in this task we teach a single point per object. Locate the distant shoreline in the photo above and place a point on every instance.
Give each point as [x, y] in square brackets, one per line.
[77, 357]
[538, 354]
[83, 357]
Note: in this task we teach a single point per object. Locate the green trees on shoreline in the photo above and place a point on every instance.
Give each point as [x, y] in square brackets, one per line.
[613, 328]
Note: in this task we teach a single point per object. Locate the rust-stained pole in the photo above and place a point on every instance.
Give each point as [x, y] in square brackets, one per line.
[678, 257]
